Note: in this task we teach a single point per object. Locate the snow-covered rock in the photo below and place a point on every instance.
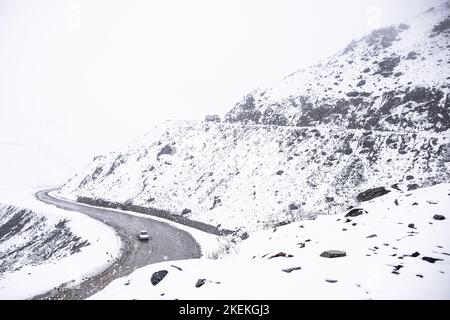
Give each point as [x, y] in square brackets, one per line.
[394, 79]
[239, 175]
[376, 115]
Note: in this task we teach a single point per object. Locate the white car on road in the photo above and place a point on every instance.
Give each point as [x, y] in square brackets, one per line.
[143, 235]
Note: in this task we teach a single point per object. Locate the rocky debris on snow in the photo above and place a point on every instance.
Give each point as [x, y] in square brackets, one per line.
[178, 268]
[438, 217]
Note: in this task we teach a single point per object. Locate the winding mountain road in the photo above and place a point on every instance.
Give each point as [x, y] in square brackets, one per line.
[166, 243]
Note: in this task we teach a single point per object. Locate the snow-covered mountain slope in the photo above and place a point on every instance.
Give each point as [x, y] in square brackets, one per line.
[255, 176]
[27, 238]
[397, 248]
[395, 79]
[44, 247]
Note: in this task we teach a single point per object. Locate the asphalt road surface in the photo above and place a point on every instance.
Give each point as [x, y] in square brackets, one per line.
[166, 243]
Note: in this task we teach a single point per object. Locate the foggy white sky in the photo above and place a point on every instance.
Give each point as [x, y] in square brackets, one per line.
[78, 78]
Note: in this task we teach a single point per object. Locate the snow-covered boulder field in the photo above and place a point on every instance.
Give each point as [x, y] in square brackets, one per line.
[43, 247]
[396, 246]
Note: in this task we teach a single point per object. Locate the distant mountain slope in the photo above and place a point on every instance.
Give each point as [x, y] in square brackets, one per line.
[241, 175]
[395, 79]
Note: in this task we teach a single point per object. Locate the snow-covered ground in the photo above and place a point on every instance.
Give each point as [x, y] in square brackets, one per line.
[42, 247]
[390, 250]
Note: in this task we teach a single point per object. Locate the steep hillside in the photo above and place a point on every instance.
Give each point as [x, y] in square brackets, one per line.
[252, 176]
[395, 79]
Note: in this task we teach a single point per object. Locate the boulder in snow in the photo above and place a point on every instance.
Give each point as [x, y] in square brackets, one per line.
[289, 270]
